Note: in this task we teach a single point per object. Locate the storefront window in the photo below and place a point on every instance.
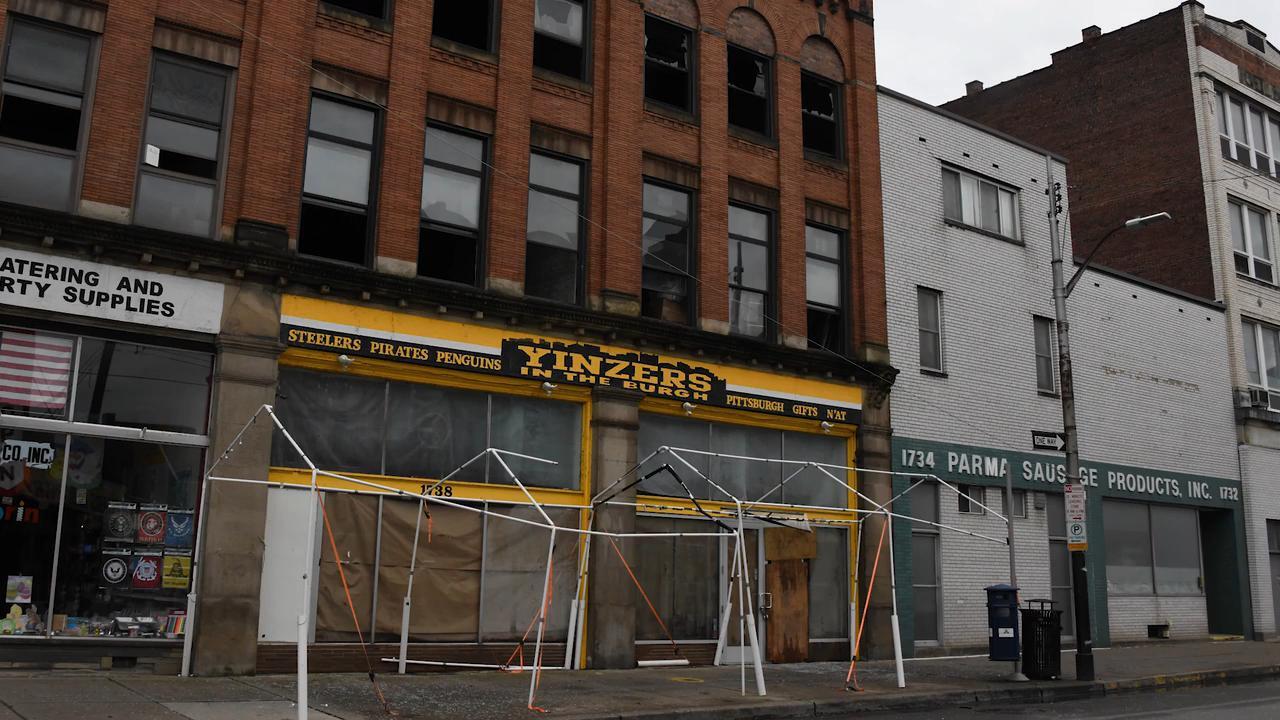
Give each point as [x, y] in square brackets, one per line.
[364, 425]
[127, 536]
[123, 549]
[515, 566]
[829, 585]
[30, 481]
[1152, 549]
[747, 479]
[121, 383]
[681, 576]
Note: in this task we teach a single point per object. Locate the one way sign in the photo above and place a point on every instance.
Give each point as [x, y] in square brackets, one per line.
[1041, 440]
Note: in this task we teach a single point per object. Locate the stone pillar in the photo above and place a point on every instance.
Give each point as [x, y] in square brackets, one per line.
[875, 453]
[611, 596]
[226, 623]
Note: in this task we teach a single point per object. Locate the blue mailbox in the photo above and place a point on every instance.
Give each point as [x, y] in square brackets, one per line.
[1002, 622]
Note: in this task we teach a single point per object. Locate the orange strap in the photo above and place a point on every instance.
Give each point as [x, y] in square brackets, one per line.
[675, 648]
[346, 589]
[862, 621]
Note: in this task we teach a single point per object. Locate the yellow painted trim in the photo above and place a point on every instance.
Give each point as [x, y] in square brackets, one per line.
[461, 491]
[389, 321]
[409, 372]
[744, 417]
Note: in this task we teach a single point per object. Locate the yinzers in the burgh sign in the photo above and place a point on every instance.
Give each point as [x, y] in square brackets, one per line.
[574, 363]
[589, 365]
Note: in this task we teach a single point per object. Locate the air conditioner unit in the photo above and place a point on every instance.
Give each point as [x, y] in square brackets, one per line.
[1259, 398]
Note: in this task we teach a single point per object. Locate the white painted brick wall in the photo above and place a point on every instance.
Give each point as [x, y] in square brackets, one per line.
[1259, 465]
[1262, 500]
[1153, 387]
[1129, 617]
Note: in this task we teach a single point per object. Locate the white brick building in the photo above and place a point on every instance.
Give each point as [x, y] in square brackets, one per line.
[967, 239]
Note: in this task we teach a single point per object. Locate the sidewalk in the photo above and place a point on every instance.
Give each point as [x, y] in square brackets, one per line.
[794, 691]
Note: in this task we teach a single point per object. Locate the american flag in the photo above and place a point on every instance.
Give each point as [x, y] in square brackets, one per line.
[35, 370]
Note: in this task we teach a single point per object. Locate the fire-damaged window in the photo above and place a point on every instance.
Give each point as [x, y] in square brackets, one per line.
[466, 22]
[820, 113]
[181, 168]
[373, 8]
[559, 37]
[337, 186]
[668, 64]
[453, 179]
[668, 253]
[553, 255]
[823, 288]
[750, 91]
[42, 99]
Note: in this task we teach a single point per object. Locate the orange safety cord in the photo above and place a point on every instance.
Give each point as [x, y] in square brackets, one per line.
[674, 647]
[346, 589]
[862, 621]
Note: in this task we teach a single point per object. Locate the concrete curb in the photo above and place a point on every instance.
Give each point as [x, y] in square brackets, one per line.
[1063, 691]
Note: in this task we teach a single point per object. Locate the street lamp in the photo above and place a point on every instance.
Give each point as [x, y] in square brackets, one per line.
[1079, 572]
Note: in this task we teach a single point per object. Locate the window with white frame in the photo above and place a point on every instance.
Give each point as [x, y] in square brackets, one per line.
[979, 202]
[1251, 239]
[1250, 135]
[929, 311]
[1262, 359]
[1045, 381]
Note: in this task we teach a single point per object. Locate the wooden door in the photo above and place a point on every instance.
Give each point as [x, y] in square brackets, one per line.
[786, 553]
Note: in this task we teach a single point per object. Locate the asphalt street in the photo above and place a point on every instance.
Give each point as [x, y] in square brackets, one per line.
[1239, 702]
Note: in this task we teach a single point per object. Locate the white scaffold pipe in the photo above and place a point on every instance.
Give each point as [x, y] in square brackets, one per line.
[407, 608]
[304, 606]
[537, 506]
[471, 666]
[542, 620]
[751, 622]
[893, 599]
[622, 478]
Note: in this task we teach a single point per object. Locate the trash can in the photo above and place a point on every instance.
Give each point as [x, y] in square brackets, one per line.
[1041, 640]
[1002, 622]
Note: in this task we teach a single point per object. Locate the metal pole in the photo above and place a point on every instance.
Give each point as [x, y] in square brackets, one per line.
[1009, 513]
[1079, 570]
[311, 566]
[542, 620]
[408, 592]
[893, 599]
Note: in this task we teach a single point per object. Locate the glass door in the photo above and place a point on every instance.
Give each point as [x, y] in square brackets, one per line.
[31, 468]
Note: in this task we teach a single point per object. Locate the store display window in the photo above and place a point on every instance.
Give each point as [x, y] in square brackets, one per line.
[115, 516]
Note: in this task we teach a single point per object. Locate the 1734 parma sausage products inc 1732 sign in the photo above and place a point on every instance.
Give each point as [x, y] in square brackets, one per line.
[65, 285]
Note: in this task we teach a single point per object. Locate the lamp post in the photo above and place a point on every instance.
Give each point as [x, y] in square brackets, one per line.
[1079, 571]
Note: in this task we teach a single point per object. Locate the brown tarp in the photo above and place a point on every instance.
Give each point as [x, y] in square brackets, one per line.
[354, 522]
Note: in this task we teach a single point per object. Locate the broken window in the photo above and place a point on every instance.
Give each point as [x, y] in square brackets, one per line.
[749, 91]
[823, 288]
[552, 261]
[178, 180]
[668, 253]
[449, 241]
[750, 271]
[819, 108]
[558, 37]
[467, 22]
[337, 182]
[668, 75]
[41, 101]
[372, 8]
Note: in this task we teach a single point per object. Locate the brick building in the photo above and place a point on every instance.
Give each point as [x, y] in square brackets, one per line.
[363, 212]
[978, 362]
[1179, 112]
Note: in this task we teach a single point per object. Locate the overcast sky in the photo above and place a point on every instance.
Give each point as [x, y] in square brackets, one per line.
[930, 48]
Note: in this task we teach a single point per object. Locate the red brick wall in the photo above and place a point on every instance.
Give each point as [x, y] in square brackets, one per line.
[1120, 108]
[279, 39]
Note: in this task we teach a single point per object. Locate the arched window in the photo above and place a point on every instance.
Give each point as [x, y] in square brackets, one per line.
[751, 50]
